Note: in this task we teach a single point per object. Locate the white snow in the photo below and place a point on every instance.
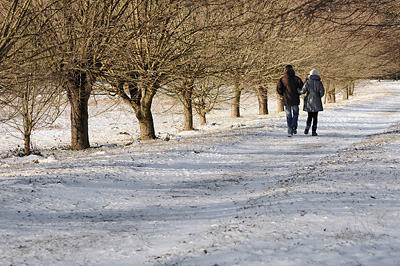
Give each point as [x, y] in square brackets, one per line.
[234, 192]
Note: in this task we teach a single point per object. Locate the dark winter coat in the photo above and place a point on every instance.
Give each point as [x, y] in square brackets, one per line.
[315, 91]
[288, 87]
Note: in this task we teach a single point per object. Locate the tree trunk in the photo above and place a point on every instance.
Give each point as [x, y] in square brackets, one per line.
[146, 123]
[140, 99]
[280, 103]
[143, 113]
[187, 108]
[327, 88]
[351, 91]
[27, 120]
[346, 93]
[331, 95]
[262, 95]
[27, 144]
[79, 88]
[235, 105]
[203, 119]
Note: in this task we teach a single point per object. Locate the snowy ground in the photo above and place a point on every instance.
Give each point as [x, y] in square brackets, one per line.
[235, 192]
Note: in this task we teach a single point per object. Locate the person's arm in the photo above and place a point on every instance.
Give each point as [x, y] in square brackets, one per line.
[301, 84]
[321, 90]
[303, 89]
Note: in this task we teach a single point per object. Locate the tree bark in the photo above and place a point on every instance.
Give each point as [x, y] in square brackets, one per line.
[331, 95]
[280, 103]
[79, 88]
[27, 121]
[262, 95]
[140, 99]
[27, 117]
[235, 105]
[145, 118]
[27, 144]
[203, 119]
[346, 92]
[351, 91]
[188, 108]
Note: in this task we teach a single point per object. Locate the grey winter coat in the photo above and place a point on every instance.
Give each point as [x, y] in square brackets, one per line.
[315, 91]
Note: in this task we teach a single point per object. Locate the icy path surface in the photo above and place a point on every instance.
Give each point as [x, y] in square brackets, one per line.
[240, 195]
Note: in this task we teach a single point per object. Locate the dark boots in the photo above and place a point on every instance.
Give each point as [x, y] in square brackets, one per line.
[314, 131]
[307, 129]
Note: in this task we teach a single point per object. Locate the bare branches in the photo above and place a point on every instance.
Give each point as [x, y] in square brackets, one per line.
[13, 28]
[140, 46]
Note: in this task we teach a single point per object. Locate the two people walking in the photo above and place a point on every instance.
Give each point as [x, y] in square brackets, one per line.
[290, 87]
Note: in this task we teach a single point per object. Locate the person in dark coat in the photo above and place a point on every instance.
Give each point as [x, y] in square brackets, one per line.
[314, 90]
[288, 87]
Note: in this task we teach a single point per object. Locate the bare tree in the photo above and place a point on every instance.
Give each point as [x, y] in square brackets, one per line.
[162, 41]
[205, 59]
[14, 22]
[263, 38]
[185, 94]
[35, 104]
[358, 32]
[77, 40]
[25, 100]
[206, 94]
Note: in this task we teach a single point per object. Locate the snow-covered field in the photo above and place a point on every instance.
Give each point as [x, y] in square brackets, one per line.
[234, 192]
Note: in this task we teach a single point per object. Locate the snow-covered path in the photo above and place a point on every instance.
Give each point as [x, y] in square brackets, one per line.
[240, 195]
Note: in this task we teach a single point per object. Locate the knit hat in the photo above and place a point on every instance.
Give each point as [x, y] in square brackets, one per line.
[314, 72]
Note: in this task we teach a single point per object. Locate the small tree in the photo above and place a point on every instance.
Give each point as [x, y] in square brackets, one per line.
[25, 100]
[32, 105]
[183, 90]
[206, 94]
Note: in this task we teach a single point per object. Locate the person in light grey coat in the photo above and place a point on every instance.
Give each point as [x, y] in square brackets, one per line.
[314, 90]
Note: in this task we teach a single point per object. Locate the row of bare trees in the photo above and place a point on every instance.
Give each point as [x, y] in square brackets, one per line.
[194, 50]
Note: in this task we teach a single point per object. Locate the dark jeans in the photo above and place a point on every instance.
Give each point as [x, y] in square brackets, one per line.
[312, 117]
[292, 115]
